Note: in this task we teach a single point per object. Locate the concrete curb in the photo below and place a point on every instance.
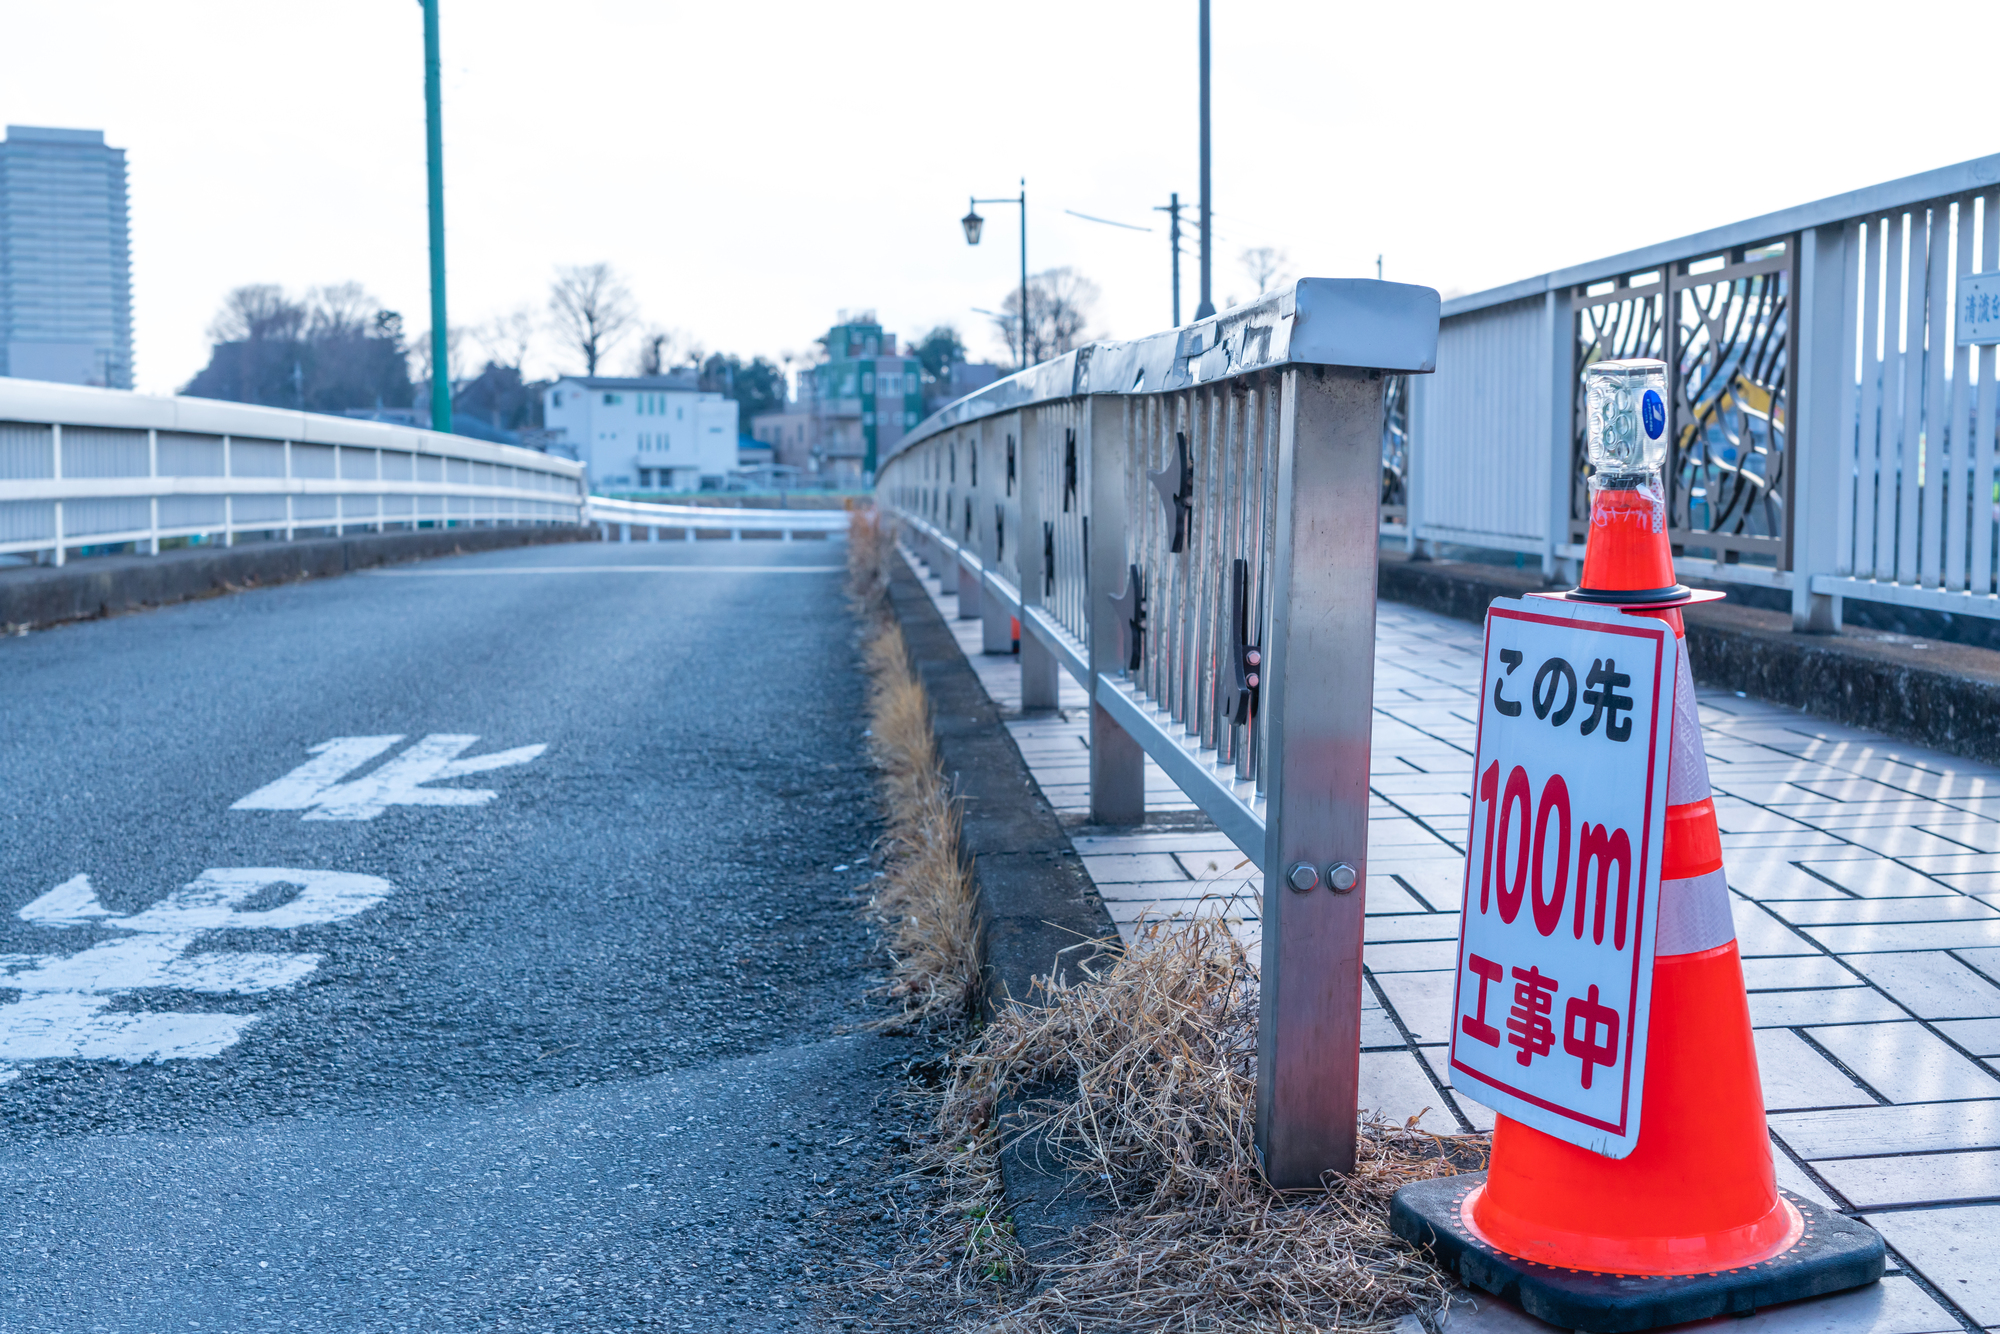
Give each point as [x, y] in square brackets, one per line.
[1036, 903]
[1945, 696]
[105, 585]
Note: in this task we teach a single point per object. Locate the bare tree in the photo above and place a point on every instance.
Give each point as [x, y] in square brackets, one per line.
[592, 309]
[508, 337]
[1059, 304]
[1266, 266]
[340, 310]
[660, 350]
[257, 312]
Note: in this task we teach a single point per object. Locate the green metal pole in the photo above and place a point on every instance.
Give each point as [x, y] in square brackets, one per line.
[434, 143]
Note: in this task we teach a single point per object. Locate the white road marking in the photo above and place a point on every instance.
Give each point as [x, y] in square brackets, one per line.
[608, 569]
[314, 786]
[63, 1009]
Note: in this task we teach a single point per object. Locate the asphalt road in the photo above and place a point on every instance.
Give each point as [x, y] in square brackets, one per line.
[570, 1058]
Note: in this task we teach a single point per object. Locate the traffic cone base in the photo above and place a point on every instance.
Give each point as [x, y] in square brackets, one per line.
[1831, 1253]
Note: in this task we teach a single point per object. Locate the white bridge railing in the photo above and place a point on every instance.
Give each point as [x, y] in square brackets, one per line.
[1187, 525]
[1833, 429]
[94, 468]
[619, 519]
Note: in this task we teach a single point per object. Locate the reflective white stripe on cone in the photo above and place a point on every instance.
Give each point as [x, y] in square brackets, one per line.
[1694, 913]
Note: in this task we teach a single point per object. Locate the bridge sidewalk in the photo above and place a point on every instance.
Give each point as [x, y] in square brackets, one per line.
[1867, 874]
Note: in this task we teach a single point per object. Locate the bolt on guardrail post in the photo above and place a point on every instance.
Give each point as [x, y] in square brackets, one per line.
[1041, 674]
[1117, 762]
[1320, 686]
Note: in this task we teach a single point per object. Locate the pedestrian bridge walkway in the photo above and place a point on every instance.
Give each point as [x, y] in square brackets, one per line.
[1866, 874]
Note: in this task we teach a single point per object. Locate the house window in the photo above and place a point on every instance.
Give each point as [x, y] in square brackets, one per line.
[611, 400]
[556, 400]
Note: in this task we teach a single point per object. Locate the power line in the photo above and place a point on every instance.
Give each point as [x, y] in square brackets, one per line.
[1106, 221]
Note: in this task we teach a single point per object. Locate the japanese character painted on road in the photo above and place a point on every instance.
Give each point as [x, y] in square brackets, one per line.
[1528, 1026]
[1606, 704]
[1590, 1016]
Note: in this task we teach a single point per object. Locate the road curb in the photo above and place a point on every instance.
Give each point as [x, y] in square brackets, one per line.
[1945, 696]
[36, 596]
[1036, 903]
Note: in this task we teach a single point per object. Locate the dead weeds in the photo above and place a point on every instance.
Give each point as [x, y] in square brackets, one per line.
[1137, 1078]
[925, 900]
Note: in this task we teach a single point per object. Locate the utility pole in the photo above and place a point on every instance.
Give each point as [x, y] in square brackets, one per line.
[1207, 306]
[1173, 211]
[1024, 273]
[1378, 268]
[434, 144]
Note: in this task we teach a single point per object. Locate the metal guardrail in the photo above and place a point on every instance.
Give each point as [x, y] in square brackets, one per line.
[1188, 524]
[653, 519]
[1830, 435]
[83, 468]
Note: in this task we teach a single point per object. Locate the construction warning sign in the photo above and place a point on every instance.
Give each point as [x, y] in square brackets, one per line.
[1562, 872]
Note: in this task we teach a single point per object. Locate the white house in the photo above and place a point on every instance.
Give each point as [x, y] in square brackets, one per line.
[650, 432]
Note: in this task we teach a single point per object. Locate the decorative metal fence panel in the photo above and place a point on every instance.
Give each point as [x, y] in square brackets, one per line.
[1727, 347]
[1902, 428]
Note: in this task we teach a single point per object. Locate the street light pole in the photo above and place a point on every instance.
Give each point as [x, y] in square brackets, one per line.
[974, 224]
[434, 145]
[1207, 306]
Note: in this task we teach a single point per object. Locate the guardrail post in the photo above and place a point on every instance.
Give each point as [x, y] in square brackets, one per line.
[1826, 299]
[1319, 689]
[968, 591]
[1041, 674]
[1117, 763]
[56, 471]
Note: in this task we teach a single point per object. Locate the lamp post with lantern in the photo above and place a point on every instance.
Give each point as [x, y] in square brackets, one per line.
[974, 224]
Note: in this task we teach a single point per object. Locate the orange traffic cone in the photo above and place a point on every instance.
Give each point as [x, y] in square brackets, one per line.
[1691, 1223]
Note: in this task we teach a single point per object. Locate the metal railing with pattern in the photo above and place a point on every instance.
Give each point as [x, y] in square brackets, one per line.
[1188, 525]
[95, 468]
[1832, 433]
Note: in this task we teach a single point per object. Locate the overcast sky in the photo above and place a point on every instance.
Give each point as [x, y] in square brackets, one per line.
[755, 168]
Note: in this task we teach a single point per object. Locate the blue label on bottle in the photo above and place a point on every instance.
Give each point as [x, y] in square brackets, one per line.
[1654, 412]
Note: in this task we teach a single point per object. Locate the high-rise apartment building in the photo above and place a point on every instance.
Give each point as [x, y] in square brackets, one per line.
[65, 258]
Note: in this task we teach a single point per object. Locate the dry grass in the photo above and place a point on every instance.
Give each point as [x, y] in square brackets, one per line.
[1139, 1076]
[925, 900]
[1146, 1076]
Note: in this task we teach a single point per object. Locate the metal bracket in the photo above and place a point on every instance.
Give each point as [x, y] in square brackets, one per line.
[1069, 467]
[1175, 483]
[1131, 608]
[1246, 660]
[1048, 559]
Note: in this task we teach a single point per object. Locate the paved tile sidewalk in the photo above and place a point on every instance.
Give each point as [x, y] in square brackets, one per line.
[1866, 873]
